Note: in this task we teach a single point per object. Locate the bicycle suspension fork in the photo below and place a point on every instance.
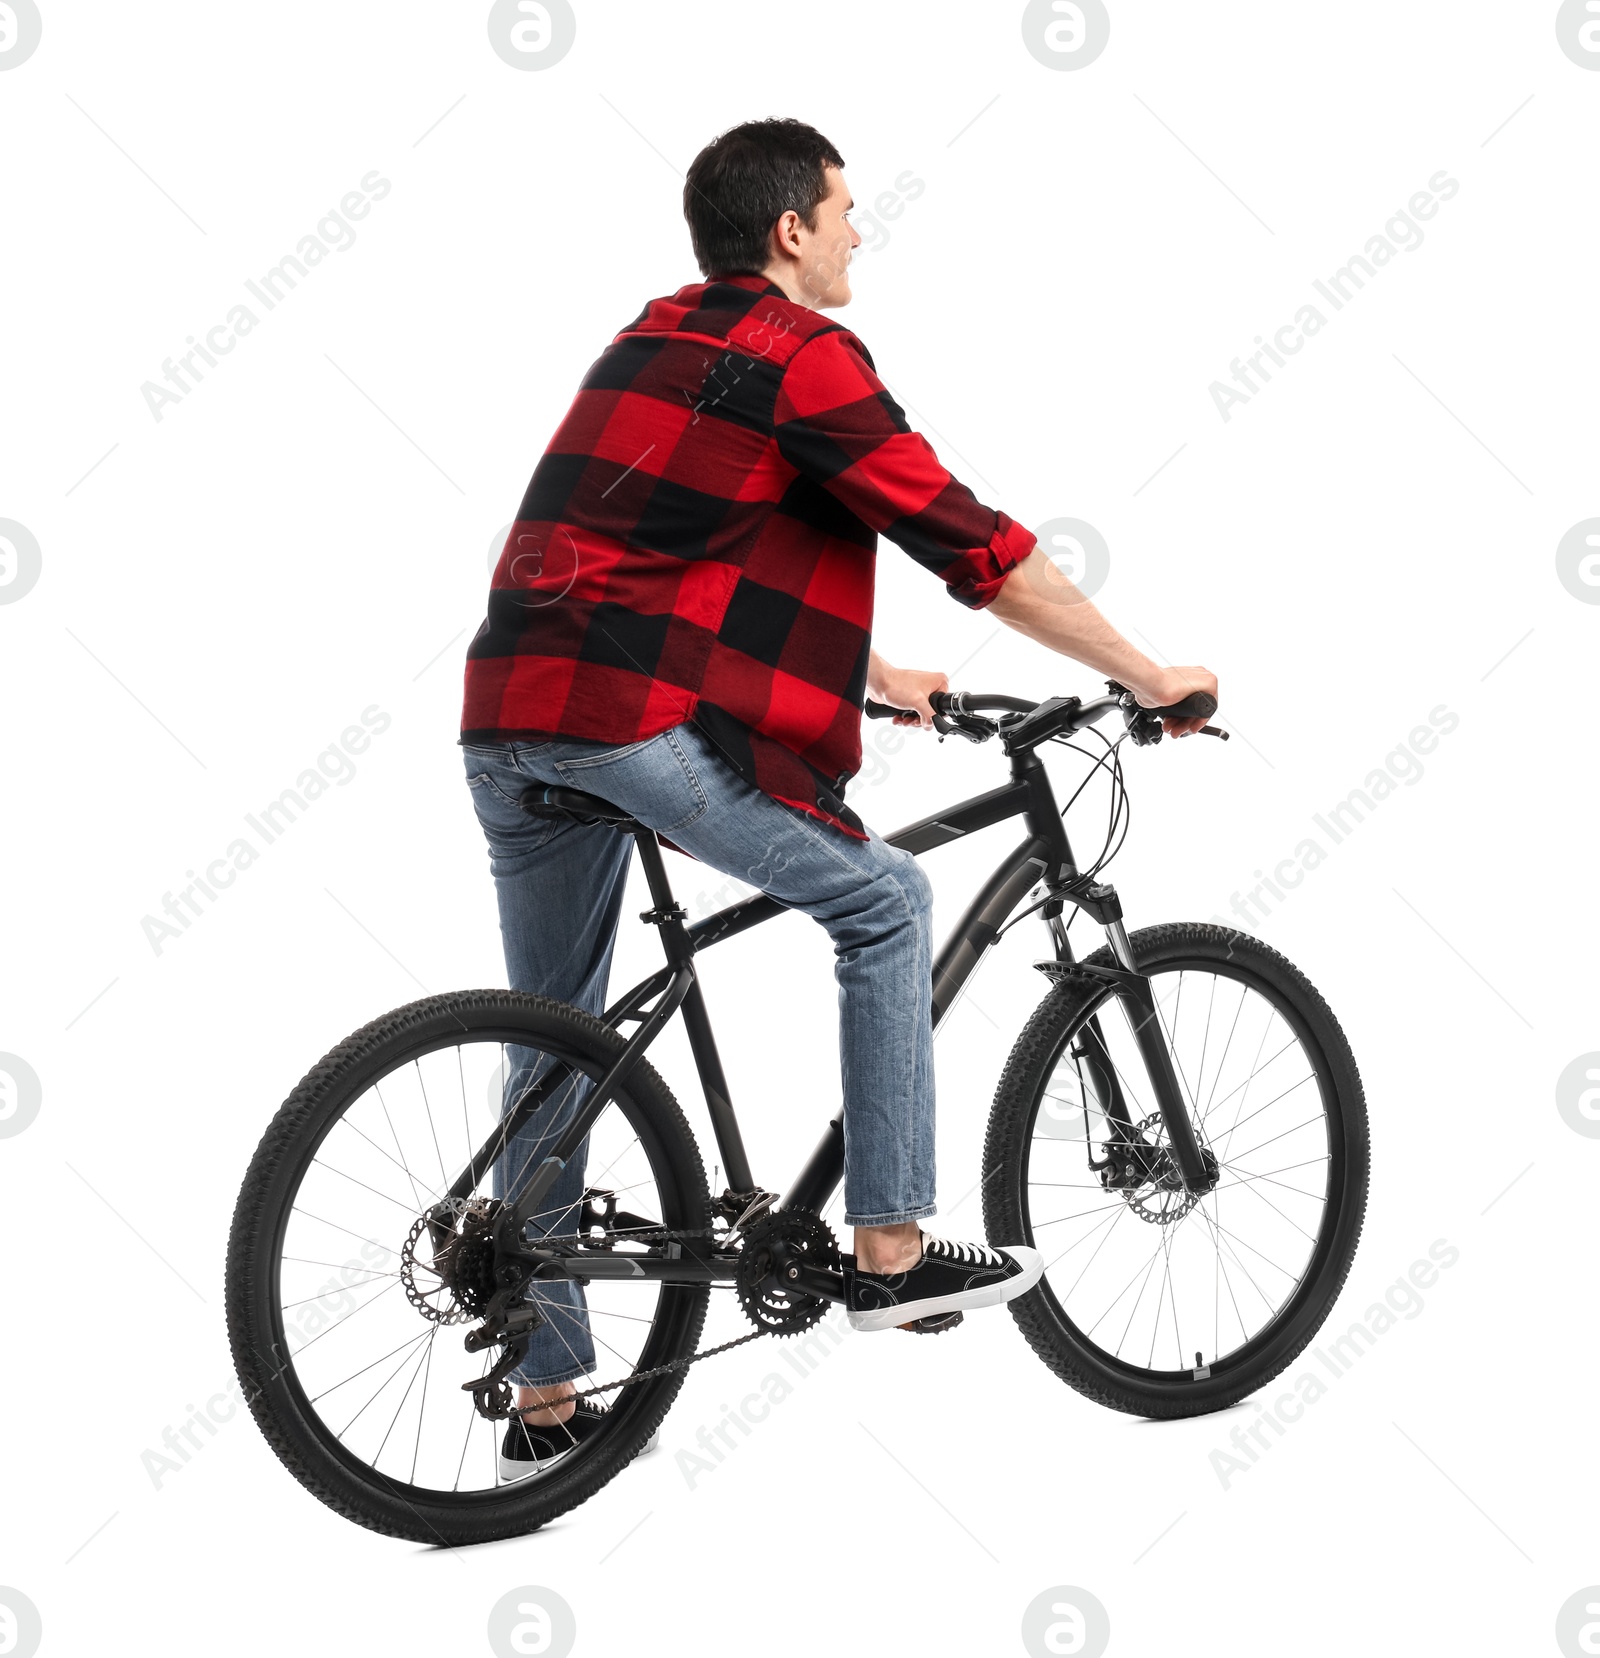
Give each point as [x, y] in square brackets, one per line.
[1133, 988]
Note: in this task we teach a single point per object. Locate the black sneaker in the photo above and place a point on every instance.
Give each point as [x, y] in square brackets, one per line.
[949, 1277]
[530, 1448]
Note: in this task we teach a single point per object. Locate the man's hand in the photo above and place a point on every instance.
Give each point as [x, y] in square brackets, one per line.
[904, 688]
[1173, 685]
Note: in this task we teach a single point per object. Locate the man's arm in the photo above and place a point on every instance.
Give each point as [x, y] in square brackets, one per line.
[904, 688]
[837, 423]
[1040, 603]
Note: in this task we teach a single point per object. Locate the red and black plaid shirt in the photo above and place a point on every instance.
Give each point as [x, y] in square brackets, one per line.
[698, 543]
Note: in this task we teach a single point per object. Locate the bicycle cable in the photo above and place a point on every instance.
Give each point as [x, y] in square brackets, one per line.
[1121, 813]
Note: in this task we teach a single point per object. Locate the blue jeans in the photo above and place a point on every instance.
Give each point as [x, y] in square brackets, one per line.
[560, 890]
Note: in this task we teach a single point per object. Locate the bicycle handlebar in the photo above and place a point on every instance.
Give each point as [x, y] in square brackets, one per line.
[962, 712]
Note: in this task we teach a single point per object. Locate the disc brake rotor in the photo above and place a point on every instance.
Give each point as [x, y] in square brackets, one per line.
[1165, 1201]
[463, 1262]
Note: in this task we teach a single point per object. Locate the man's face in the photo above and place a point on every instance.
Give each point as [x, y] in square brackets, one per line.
[825, 252]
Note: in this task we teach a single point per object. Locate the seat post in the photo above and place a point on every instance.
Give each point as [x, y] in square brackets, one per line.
[665, 912]
[669, 917]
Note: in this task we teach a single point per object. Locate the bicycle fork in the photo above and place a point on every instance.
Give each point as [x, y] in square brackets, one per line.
[1133, 988]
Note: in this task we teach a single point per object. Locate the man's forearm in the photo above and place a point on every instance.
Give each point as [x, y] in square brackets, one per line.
[877, 676]
[1038, 601]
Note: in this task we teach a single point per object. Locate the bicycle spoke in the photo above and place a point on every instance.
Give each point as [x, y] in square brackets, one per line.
[370, 1362]
[1310, 1076]
[427, 1336]
[1216, 1230]
[1138, 1301]
[338, 1266]
[1205, 1043]
[415, 1188]
[416, 1444]
[1308, 1236]
[1100, 1209]
[306, 1300]
[378, 1454]
[1275, 1138]
[317, 1161]
[410, 1341]
[432, 1196]
[297, 1210]
[1227, 1048]
[444, 1179]
[1228, 1051]
[344, 1320]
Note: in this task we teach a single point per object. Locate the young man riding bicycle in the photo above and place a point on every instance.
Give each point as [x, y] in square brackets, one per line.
[680, 623]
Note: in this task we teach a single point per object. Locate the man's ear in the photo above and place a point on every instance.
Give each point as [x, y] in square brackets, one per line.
[785, 232]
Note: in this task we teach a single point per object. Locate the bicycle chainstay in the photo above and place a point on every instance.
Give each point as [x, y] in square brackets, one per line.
[489, 1407]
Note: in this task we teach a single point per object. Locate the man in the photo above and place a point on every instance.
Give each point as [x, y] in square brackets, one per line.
[681, 623]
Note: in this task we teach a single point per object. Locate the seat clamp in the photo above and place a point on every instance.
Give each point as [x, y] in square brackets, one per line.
[661, 916]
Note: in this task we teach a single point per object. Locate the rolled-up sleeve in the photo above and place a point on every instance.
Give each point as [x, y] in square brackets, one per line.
[837, 424]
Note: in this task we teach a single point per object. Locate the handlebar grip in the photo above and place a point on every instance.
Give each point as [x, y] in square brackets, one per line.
[1198, 705]
[937, 700]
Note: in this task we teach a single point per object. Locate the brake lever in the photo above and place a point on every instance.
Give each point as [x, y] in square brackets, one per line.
[1144, 724]
[973, 727]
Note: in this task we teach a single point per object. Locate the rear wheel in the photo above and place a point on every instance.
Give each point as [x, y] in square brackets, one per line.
[346, 1333]
[1154, 1301]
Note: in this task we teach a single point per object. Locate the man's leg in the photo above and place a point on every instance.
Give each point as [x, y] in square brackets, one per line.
[559, 886]
[876, 903]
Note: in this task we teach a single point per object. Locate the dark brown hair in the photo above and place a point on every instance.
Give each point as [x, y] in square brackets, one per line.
[743, 181]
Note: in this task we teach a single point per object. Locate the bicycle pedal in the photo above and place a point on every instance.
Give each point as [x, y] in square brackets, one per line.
[935, 1324]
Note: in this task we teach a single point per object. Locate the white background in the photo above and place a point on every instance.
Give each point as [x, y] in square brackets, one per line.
[306, 535]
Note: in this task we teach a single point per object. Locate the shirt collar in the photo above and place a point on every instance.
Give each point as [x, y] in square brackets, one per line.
[754, 284]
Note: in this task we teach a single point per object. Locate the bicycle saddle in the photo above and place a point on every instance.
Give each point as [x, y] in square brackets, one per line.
[546, 800]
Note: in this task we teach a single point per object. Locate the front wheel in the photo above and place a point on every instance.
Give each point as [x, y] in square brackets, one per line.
[1155, 1300]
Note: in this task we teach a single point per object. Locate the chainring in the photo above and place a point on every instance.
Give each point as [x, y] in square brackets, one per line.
[773, 1309]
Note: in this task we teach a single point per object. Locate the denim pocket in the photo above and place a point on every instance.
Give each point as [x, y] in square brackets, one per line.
[652, 779]
[484, 783]
[497, 786]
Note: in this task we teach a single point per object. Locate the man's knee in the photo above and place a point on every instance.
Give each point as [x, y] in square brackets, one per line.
[911, 879]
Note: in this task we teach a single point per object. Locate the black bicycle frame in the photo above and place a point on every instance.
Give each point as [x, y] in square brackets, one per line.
[1043, 859]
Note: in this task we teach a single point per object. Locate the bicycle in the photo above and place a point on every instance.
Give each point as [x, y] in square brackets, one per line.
[1122, 1104]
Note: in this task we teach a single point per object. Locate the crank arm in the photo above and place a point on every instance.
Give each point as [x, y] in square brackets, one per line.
[810, 1280]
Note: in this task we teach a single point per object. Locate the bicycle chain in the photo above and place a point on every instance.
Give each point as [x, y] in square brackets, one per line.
[659, 1234]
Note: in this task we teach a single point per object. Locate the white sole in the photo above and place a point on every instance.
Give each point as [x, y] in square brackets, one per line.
[519, 1468]
[995, 1295]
